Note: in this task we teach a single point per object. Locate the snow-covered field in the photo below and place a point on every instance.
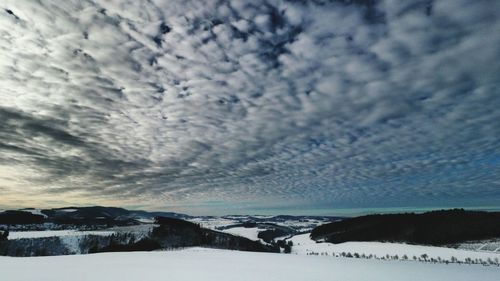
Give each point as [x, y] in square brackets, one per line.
[305, 225]
[53, 233]
[213, 222]
[492, 245]
[247, 232]
[221, 223]
[223, 265]
[303, 245]
[34, 212]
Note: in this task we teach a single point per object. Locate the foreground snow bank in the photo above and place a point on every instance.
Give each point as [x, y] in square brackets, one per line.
[222, 265]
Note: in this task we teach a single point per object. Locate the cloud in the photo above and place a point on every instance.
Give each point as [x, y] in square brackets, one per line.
[254, 103]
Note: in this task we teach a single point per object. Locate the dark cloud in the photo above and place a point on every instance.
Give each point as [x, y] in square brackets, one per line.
[253, 103]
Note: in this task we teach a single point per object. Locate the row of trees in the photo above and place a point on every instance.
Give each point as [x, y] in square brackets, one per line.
[421, 258]
[286, 245]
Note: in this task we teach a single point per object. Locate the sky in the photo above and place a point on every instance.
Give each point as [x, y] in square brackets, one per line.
[269, 106]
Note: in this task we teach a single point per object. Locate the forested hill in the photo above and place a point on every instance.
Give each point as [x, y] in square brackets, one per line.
[167, 233]
[95, 215]
[431, 228]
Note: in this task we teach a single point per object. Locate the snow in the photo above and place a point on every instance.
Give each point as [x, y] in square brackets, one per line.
[213, 222]
[220, 223]
[247, 232]
[301, 225]
[145, 220]
[34, 212]
[284, 237]
[139, 231]
[223, 265]
[304, 245]
[72, 243]
[263, 216]
[52, 233]
[491, 245]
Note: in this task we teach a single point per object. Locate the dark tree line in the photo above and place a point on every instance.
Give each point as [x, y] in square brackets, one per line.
[270, 234]
[28, 247]
[169, 234]
[124, 242]
[286, 245]
[174, 233]
[20, 217]
[4, 234]
[431, 228]
[92, 217]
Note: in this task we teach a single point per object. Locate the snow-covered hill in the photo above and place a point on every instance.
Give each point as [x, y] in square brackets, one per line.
[250, 233]
[222, 265]
[303, 245]
[34, 212]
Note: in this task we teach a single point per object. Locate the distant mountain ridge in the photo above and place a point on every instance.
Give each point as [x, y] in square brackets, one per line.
[121, 216]
[82, 215]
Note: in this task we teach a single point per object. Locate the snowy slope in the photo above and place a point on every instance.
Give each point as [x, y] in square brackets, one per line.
[490, 245]
[54, 233]
[247, 232]
[304, 245]
[212, 222]
[34, 212]
[210, 264]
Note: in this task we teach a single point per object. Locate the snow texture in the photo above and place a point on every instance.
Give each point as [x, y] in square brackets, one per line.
[55, 233]
[222, 265]
[247, 232]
